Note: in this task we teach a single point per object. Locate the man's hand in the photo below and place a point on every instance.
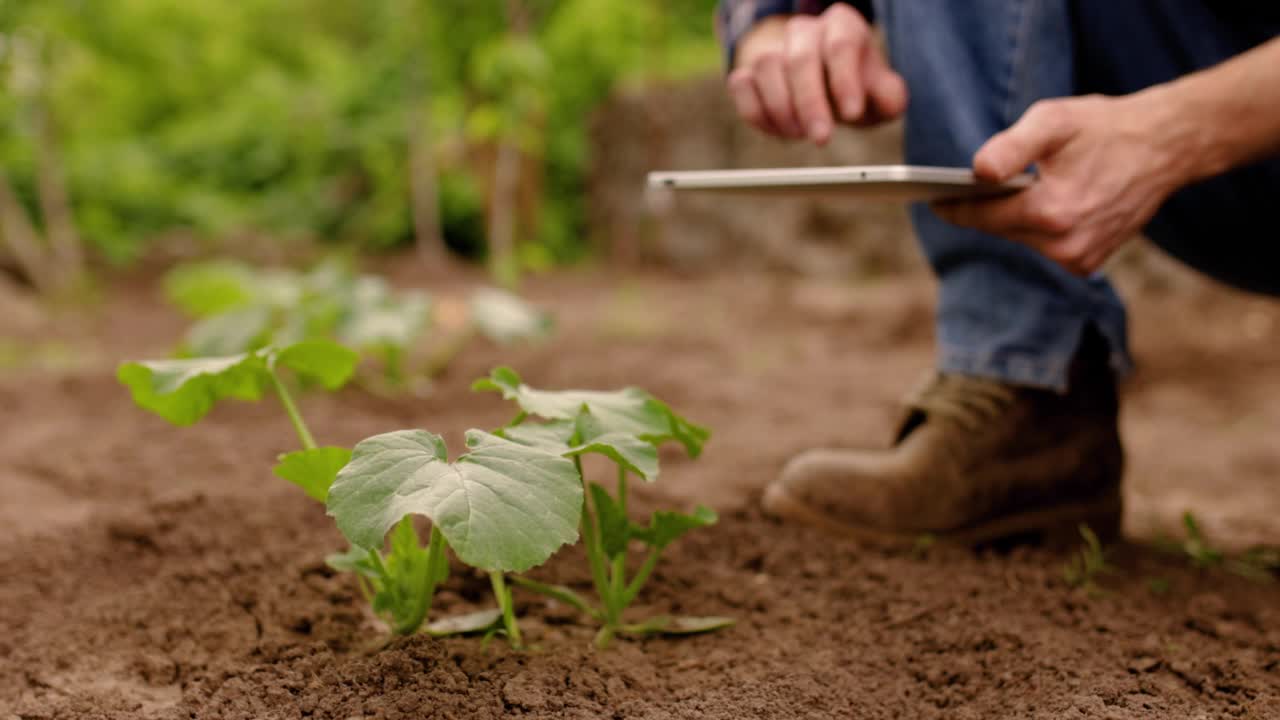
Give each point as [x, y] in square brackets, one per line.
[795, 76]
[1106, 165]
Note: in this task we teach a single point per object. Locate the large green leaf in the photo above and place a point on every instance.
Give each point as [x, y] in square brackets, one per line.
[570, 438]
[554, 436]
[313, 470]
[503, 506]
[666, 527]
[321, 361]
[633, 454]
[505, 318]
[183, 391]
[631, 411]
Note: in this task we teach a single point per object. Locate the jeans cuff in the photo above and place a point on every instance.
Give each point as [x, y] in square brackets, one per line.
[1048, 372]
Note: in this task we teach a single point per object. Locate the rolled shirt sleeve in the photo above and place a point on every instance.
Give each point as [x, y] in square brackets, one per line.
[735, 17]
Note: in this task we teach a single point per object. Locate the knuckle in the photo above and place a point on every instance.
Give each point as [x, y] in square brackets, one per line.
[800, 57]
[768, 60]
[836, 43]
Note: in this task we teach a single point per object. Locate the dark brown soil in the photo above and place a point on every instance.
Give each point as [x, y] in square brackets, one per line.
[157, 572]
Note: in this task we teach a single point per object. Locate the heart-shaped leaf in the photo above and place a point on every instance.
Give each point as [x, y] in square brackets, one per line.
[183, 391]
[554, 436]
[630, 411]
[502, 507]
[666, 527]
[313, 470]
[321, 361]
[581, 437]
[633, 454]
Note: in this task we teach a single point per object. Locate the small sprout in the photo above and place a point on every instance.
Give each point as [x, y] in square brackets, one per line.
[923, 543]
[401, 585]
[1196, 547]
[1159, 586]
[1084, 569]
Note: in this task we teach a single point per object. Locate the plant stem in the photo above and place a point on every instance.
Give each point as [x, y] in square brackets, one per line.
[508, 610]
[622, 489]
[430, 578]
[304, 434]
[642, 576]
[618, 570]
[591, 541]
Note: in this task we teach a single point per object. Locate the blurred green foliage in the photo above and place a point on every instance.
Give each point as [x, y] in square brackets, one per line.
[290, 117]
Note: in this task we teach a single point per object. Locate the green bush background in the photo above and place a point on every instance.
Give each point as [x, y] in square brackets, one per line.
[289, 117]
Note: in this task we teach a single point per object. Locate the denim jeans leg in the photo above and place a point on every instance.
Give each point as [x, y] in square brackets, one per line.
[972, 68]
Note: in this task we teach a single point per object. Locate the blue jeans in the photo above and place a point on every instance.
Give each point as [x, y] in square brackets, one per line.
[973, 67]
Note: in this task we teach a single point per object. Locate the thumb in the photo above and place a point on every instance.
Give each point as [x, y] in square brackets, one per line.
[1043, 129]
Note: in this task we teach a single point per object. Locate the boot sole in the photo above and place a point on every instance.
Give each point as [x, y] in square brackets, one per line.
[1057, 526]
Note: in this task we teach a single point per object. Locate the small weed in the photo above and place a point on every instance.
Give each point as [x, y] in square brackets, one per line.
[1159, 586]
[1083, 570]
[1258, 564]
[924, 542]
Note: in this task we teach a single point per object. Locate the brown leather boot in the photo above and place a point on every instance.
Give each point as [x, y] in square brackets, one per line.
[975, 461]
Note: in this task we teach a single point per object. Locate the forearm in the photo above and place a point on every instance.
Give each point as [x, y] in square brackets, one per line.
[736, 18]
[1228, 115]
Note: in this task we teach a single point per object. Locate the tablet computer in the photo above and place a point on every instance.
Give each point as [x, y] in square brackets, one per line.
[879, 182]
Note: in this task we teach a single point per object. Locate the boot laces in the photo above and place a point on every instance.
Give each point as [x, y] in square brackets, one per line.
[970, 402]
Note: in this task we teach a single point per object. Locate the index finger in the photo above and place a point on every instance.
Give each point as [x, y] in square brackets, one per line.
[843, 39]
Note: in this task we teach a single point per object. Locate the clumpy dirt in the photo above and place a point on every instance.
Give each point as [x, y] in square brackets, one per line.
[159, 572]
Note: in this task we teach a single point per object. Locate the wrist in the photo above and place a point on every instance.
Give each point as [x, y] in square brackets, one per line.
[1180, 126]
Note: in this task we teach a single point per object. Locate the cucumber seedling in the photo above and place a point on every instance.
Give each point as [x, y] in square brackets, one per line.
[183, 391]
[517, 495]
[399, 585]
[626, 427]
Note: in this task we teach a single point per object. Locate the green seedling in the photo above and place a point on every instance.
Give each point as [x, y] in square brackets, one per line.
[1084, 569]
[1196, 547]
[183, 391]
[1258, 564]
[626, 427]
[1159, 586]
[400, 584]
[502, 507]
[239, 309]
